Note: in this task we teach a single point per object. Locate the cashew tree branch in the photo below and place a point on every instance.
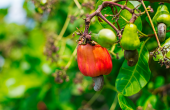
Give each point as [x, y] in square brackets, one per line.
[168, 1]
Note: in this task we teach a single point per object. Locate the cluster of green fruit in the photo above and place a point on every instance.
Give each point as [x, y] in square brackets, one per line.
[94, 60]
[129, 41]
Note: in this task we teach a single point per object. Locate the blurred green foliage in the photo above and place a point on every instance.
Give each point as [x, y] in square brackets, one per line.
[26, 76]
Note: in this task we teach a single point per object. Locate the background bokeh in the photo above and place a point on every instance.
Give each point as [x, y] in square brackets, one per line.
[38, 67]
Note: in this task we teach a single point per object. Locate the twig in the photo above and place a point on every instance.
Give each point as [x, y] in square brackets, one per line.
[142, 33]
[145, 0]
[124, 19]
[117, 13]
[71, 58]
[64, 27]
[113, 106]
[134, 17]
[113, 47]
[113, 53]
[114, 27]
[116, 16]
[108, 3]
[77, 3]
[98, 13]
[159, 45]
[109, 86]
[95, 96]
[162, 89]
[151, 35]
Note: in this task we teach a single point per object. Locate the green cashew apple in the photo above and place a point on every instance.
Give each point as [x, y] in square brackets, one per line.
[106, 38]
[130, 39]
[162, 21]
[162, 16]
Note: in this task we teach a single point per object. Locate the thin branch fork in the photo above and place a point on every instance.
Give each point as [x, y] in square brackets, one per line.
[162, 89]
[98, 13]
[152, 35]
[108, 3]
[116, 15]
[159, 45]
[168, 1]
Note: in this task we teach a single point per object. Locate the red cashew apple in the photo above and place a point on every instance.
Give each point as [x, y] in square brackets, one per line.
[94, 61]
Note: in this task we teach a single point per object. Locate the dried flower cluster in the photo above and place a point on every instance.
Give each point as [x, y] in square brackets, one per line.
[44, 5]
[51, 50]
[89, 5]
[60, 76]
[161, 54]
[79, 78]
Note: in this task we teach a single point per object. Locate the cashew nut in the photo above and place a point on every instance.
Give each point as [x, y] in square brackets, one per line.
[161, 32]
[99, 82]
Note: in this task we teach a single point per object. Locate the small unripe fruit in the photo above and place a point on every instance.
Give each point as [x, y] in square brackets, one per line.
[106, 38]
[130, 39]
[162, 20]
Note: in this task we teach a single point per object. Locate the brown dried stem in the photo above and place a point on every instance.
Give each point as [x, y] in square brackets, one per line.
[162, 89]
[159, 45]
[168, 1]
[98, 13]
[114, 27]
[151, 35]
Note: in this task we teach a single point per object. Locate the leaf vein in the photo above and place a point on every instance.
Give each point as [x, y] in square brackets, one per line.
[126, 106]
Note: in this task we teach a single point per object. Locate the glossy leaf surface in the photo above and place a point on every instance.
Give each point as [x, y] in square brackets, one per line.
[132, 79]
[125, 103]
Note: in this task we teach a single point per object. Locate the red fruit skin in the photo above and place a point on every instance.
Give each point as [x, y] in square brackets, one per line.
[93, 60]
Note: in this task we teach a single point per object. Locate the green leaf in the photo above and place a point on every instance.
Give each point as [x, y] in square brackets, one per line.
[167, 42]
[159, 81]
[132, 79]
[143, 97]
[125, 103]
[153, 102]
[147, 19]
[151, 44]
